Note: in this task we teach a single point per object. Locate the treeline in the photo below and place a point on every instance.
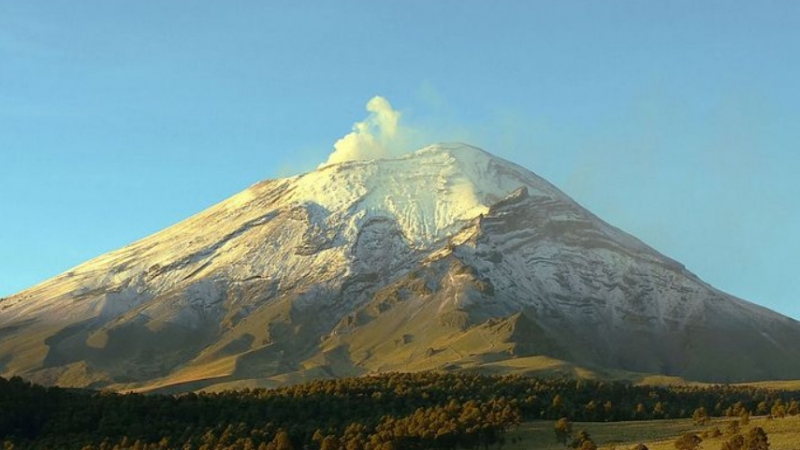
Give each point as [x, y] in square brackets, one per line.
[386, 412]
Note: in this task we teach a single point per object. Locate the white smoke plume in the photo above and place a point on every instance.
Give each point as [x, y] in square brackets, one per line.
[380, 135]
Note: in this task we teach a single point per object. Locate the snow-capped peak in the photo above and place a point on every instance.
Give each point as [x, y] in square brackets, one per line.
[430, 193]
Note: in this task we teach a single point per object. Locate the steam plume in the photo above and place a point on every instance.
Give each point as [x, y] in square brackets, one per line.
[380, 135]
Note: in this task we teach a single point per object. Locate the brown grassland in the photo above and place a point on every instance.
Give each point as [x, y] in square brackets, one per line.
[784, 434]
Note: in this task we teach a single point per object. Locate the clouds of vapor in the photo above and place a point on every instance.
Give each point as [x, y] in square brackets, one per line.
[380, 135]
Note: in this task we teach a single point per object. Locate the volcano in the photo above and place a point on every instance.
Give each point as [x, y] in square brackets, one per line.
[448, 258]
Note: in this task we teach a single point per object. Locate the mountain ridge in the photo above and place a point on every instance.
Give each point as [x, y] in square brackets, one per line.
[445, 259]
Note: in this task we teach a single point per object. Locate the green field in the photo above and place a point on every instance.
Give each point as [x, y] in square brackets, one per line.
[784, 434]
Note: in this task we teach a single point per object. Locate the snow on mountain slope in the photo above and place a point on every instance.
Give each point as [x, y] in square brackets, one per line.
[445, 257]
[429, 194]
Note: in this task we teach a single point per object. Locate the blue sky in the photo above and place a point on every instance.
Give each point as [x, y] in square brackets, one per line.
[676, 121]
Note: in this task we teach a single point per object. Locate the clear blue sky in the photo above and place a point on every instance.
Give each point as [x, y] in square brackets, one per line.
[678, 121]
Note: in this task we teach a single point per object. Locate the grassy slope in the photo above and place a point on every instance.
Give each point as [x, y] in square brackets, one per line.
[786, 385]
[784, 434]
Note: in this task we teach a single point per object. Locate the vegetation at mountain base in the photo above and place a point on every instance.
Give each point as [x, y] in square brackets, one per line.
[399, 411]
[688, 441]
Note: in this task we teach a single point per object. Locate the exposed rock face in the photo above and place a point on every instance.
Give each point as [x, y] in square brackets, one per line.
[448, 258]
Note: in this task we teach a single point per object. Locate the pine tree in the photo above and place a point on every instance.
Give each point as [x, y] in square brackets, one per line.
[794, 408]
[688, 441]
[745, 416]
[581, 439]
[330, 443]
[282, 441]
[641, 411]
[700, 416]
[778, 409]
[658, 411]
[563, 430]
[756, 439]
[734, 443]
[558, 403]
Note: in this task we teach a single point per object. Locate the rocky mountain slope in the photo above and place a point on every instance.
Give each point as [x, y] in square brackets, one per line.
[445, 259]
